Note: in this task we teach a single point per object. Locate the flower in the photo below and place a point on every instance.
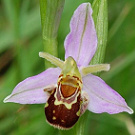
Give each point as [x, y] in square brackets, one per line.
[70, 89]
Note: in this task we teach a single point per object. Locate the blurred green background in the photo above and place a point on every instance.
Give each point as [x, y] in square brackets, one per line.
[20, 42]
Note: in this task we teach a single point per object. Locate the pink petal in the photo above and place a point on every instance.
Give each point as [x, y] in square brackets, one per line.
[31, 90]
[81, 42]
[103, 98]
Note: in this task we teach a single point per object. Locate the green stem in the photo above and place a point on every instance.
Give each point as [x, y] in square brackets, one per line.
[50, 11]
[100, 16]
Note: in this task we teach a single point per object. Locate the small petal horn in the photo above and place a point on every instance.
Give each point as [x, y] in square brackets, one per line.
[59, 63]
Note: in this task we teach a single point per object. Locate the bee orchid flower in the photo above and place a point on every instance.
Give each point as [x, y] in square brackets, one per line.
[71, 88]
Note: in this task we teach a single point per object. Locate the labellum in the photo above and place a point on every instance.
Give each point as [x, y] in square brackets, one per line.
[63, 107]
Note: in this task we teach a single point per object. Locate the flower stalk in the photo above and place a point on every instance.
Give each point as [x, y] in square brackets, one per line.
[100, 17]
[50, 11]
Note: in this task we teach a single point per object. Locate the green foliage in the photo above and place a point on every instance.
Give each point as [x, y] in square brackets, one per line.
[20, 43]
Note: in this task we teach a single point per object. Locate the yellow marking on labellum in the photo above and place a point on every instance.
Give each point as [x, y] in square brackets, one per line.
[68, 106]
[54, 118]
[62, 121]
[53, 111]
[78, 113]
[46, 105]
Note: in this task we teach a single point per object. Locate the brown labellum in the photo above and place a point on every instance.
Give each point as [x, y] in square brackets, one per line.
[62, 109]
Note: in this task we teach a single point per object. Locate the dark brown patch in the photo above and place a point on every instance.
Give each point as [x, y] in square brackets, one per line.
[59, 115]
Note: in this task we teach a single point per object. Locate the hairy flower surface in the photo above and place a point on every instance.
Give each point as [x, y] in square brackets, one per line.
[70, 89]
